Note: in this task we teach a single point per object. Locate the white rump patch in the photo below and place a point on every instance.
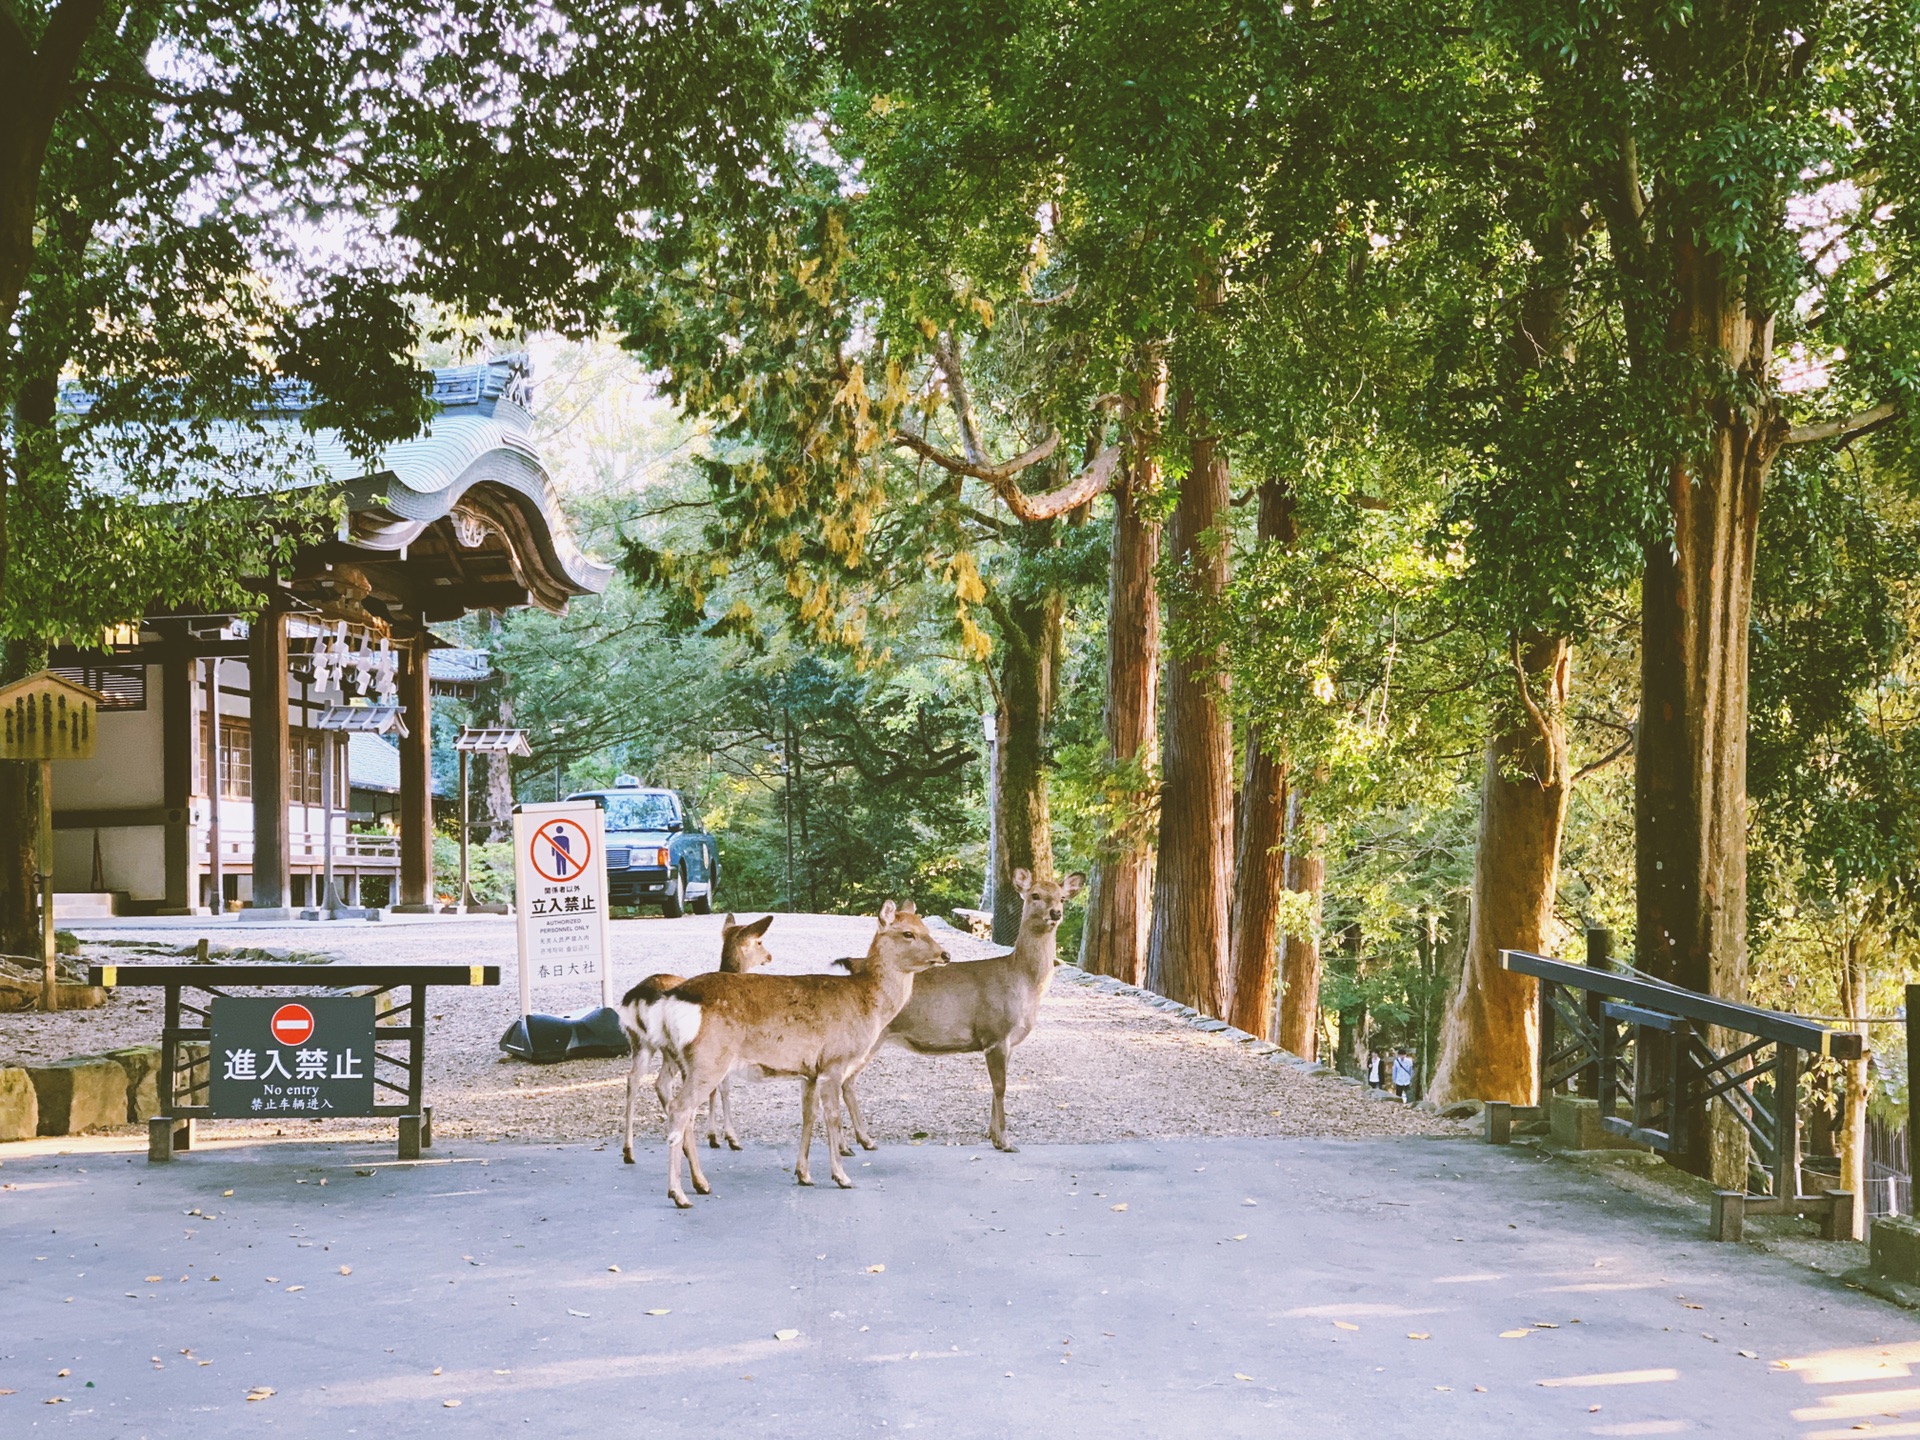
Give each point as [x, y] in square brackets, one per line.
[679, 1022]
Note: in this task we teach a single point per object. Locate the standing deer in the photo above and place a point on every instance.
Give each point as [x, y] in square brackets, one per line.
[742, 948]
[984, 1005]
[816, 1027]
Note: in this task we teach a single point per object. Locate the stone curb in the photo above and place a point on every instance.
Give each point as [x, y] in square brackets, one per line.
[1196, 1020]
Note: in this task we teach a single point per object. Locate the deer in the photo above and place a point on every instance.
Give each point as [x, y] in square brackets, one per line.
[988, 1005]
[815, 1027]
[742, 948]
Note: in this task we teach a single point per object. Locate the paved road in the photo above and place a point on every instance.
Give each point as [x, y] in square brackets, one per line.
[1248, 1288]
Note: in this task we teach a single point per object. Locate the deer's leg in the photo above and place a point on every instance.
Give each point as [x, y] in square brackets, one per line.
[713, 1115]
[694, 1173]
[831, 1084]
[802, 1171]
[679, 1117]
[633, 1097]
[997, 1072]
[669, 1070]
[726, 1113]
[853, 1115]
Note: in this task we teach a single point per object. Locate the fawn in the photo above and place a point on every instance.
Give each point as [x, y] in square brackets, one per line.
[816, 1027]
[985, 1005]
[742, 948]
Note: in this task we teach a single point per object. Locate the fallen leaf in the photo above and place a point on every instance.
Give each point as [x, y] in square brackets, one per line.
[225, 1193]
[1249, 1202]
[1545, 1325]
[346, 1269]
[451, 1404]
[875, 1269]
[1593, 1409]
[436, 1369]
[613, 1269]
[1238, 1376]
[273, 1279]
[259, 1392]
[57, 1400]
[786, 1334]
[291, 1288]
[1748, 1355]
[581, 1314]
[1121, 1206]
[155, 1279]
[1345, 1325]
[659, 1312]
[1480, 1389]
[1515, 1334]
[1418, 1335]
[62, 1374]
[1239, 1237]
[1691, 1306]
[1443, 1387]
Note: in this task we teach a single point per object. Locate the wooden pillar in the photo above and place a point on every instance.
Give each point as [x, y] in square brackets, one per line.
[416, 784]
[176, 768]
[267, 710]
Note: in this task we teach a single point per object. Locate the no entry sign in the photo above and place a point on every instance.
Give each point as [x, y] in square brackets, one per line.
[308, 1058]
[560, 897]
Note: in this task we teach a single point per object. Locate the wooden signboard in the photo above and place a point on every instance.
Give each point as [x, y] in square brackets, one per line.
[45, 718]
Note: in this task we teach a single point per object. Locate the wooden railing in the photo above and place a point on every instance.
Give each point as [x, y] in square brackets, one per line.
[1641, 1046]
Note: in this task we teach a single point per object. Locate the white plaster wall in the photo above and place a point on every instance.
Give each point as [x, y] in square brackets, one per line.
[135, 860]
[125, 771]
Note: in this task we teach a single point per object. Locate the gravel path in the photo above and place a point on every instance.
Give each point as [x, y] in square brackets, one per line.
[1098, 1067]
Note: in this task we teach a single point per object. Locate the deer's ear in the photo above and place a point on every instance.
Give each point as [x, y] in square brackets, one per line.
[1075, 883]
[727, 926]
[887, 912]
[758, 927]
[1023, 880]
[907, 907]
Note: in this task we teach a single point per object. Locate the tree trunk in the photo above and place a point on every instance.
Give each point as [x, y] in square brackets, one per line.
[1119, 900]
[1187, 947]
[1023, 834]
[20, 825]
[1347, 1057]
[1852, 1137]
[1260, 861]
[1690, 774]
[1488, 1045]
[1299, 1031]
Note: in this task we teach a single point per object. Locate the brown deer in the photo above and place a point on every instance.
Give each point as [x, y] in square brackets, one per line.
[816, 1027]
[742, 948]
[985, 1005]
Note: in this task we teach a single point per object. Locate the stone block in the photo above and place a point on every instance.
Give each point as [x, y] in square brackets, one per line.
[142, 1064]
[19, 1105]
[88, 1092]
[1894, 1247]
[1574, 1123]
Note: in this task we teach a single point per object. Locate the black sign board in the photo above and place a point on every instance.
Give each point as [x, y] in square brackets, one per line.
[307, 1057]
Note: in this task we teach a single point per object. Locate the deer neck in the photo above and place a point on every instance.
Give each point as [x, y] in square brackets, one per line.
[1035, 955]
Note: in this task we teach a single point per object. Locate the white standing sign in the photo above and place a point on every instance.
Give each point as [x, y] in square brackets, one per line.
[560, 895]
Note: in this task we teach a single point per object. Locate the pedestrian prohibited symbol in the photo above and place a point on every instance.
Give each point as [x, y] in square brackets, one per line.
[292, 1025]
[560, 850]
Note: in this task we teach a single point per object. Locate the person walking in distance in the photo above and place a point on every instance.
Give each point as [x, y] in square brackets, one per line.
[1402, 1074]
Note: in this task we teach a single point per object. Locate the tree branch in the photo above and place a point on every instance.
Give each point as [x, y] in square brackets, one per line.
[1858, 423]
[1619, 752]
[1534, 712]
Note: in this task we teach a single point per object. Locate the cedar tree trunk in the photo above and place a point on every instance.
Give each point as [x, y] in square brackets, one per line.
[1119, 900]
[1488, 1044]
[1690, 773]
[1187, 947]
[1023, 835]
[1299, 1030]
[1260, 861]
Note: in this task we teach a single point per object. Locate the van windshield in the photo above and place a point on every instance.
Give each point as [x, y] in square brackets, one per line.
[640, 812]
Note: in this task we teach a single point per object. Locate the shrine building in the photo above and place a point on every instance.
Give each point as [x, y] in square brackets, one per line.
[465, 517]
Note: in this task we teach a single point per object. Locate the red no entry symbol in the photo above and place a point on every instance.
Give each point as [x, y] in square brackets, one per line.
[561, 850]
[292, 1025]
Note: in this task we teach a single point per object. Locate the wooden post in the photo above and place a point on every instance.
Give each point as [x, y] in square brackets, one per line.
[329, 749]
[176, 767]
[50, 994]
[216, 875]
[267, 708]
[1786, 1122]
[416, 784]
[465, 901]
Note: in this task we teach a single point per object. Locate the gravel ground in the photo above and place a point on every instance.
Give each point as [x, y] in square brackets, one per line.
[1098, 1067]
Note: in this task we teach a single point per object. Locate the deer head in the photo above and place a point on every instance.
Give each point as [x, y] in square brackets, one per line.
[742, 947]
[1044, 902]
[903, 939]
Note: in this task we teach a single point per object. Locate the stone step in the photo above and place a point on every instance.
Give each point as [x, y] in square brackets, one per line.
[85, 905]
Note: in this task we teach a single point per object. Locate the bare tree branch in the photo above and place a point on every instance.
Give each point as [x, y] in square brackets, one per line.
[1619, 752]
[1845, 428]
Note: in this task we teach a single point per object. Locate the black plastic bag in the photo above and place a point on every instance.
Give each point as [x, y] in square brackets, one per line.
[547, 1039]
